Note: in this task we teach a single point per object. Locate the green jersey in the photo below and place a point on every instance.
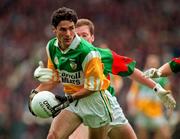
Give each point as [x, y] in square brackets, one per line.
[113, 63]
[79, 65]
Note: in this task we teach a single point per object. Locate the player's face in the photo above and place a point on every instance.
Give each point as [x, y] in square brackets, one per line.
[84, 32]
[65, 33]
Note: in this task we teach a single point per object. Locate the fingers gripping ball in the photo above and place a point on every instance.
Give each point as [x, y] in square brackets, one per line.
[42, 104]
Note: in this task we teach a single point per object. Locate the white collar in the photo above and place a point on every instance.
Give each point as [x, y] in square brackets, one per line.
[73, 45]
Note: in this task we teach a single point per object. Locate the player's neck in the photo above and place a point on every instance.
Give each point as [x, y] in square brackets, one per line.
[63, 47]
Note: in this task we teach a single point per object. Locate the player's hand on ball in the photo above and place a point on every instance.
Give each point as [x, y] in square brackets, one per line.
[152, 73]
[165, 96]
[31, 96]
[43, 74]
[64, 102]
[44, 104]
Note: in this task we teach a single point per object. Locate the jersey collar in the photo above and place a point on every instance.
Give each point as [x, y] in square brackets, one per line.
[73, 45]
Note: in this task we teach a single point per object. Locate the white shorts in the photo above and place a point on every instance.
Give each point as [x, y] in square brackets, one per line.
[98, 109]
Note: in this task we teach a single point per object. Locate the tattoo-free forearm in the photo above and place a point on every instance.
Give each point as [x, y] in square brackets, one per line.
[165, 70]
[139, 77]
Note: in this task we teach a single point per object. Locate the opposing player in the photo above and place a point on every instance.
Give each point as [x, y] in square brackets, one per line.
[167, 69]
[113, 63]
[85, 29]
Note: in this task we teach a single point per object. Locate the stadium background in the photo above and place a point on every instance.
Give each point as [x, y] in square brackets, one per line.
[134, 28]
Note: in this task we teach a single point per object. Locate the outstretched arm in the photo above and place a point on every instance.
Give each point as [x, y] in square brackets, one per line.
[164, 95]
[165, 70]
[138, 76]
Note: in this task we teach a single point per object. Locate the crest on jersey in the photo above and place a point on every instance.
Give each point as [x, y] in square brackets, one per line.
[56, 60]
[73, 64]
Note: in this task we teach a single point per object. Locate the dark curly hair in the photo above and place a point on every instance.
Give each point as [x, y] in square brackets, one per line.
[63, 13]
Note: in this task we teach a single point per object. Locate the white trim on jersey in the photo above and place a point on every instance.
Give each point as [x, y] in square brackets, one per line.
[93, 83]
[90, 56]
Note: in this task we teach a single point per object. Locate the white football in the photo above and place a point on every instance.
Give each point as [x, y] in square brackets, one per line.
[42, 104]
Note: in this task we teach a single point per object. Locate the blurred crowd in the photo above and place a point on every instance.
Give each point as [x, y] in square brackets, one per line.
[135, 28]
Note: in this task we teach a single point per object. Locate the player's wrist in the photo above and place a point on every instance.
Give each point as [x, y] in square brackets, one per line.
[63, 99]
[157, 88]
[70, 98]
[32, 93]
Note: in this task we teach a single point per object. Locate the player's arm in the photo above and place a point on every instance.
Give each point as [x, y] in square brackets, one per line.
[122, 65]
[46, 74]
[46, 78]
[164, 95]
[171, 67]
[138, 76]
[165, 70]
[66, 100]
[174, 65]
[125, 66]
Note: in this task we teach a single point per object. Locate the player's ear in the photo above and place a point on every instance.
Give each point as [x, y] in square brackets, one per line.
[93, 38]
[54, 30]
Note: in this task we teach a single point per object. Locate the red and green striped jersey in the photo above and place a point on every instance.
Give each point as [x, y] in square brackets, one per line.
[116, 64]
[175, 64]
